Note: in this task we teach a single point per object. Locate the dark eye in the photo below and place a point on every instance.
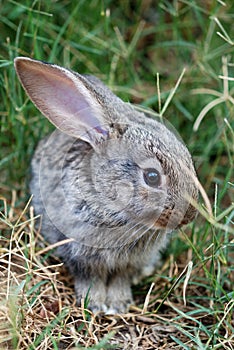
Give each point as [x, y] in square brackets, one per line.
[152, 177]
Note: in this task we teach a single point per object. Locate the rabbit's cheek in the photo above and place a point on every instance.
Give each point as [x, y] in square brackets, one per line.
[119, 196]
[150, 204]
[143, 194]
[114, 193]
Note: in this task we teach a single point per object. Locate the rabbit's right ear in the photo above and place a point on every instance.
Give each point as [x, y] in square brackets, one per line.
[63, 98]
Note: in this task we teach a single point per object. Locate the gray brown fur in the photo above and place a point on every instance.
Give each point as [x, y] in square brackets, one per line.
[87, 183]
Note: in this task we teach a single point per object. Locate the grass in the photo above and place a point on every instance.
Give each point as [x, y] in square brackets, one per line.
[137, 48]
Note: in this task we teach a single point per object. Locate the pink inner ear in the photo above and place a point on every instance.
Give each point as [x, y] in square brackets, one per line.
[60, 95]
[62, 98]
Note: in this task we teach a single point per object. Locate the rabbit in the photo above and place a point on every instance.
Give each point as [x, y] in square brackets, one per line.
[110, 177]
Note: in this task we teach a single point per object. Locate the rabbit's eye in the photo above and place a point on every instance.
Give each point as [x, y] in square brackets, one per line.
[152, 177]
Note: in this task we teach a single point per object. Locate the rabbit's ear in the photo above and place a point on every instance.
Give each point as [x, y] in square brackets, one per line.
[63, 98]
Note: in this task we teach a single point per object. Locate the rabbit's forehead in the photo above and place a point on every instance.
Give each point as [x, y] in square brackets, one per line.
[152, 135]
[151, 143]
[140, 153]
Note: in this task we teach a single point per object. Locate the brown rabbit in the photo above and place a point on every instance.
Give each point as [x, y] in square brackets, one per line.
[110, 177]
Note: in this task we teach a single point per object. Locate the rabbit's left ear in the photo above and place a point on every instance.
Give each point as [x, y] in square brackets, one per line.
[64, 99]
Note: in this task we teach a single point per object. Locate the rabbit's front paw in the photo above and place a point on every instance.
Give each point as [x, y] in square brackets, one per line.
[115, 298]
[97, 306]
[118, 307]
[119, 296]
[92, 291]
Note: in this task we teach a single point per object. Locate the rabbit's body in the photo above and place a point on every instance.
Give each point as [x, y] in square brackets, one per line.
[112, 179]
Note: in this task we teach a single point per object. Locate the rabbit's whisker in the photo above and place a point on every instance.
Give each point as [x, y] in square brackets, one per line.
[133, 232]
[133, 244]
[156, 235]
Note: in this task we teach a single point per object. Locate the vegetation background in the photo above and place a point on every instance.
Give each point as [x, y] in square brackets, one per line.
[140, 49]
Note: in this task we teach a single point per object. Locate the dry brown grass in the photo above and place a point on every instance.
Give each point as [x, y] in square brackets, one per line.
[38, 311]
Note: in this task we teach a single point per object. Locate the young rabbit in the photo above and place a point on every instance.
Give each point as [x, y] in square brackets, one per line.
[110, 177]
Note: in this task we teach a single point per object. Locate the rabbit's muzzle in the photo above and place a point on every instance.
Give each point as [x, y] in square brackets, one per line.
[173, 218]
